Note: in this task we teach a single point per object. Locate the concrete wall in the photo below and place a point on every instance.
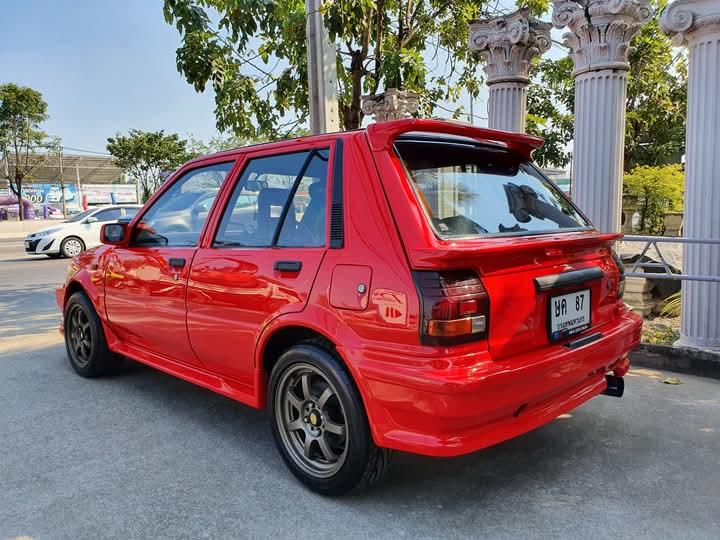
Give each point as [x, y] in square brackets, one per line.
[13, 229]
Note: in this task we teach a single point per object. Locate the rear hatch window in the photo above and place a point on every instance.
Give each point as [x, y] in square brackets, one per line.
[469, 190]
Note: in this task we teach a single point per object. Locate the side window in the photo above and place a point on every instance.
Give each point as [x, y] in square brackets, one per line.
[178, 216]
[109, 215]
[260, 202]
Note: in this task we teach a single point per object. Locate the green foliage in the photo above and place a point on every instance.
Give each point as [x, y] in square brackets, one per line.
[252, 53]
[551, 101]
[658, 190]
[148, 156]
[657, 99]
[656, 102]
[672, 305]
[22, 110]
[198, 147]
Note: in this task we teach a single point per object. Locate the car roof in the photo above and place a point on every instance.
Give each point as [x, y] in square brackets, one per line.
[381, 134]
[119, 205]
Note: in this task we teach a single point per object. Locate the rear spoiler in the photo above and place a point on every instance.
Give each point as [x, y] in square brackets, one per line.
[449, 253]
[383, 134]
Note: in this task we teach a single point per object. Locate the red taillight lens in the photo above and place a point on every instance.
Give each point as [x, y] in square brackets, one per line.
[621, 277]
[455, 306]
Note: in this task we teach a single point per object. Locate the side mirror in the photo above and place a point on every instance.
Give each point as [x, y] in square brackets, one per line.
[91, 219]
[113, 233]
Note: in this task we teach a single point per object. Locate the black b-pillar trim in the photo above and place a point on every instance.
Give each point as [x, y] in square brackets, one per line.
[337, 211]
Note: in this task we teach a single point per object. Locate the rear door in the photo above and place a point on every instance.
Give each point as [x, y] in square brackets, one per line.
[549, 276]
[263, 258]
[542, 294]
[145, 283]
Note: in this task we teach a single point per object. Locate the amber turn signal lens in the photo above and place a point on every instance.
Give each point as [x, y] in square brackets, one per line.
[456, 327]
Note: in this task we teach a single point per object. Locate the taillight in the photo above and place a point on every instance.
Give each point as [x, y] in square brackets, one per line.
[455, 307]
[621, 277]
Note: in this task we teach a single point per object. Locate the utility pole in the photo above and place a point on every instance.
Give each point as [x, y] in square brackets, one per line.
[62, 184]
[322, 72]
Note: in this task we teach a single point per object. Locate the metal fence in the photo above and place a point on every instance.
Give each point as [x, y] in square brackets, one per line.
[669, 273]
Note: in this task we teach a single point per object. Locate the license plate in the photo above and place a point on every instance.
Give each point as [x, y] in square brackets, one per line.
[568, 314]
[27, 244]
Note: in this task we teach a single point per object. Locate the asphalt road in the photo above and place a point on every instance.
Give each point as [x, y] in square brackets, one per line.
[143, 455]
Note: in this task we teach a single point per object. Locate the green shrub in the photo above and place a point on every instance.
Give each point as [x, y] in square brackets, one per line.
[658, 190]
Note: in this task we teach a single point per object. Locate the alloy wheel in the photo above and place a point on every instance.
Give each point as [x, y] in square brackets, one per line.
[311, 420]
[80, 336]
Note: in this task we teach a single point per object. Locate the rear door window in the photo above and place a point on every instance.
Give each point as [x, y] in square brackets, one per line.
[469, 189]
[279, 200]
[112, 214]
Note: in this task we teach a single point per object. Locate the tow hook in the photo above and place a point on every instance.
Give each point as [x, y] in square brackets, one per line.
[615, 386]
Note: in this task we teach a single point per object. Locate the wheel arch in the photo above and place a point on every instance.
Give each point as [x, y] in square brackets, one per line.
[85, 283]
[284, 332]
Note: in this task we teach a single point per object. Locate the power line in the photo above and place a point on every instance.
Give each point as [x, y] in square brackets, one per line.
[86, 151]
[434, 104]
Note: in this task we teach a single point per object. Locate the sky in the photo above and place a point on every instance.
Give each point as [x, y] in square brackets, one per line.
[105, 66]
[102, 66]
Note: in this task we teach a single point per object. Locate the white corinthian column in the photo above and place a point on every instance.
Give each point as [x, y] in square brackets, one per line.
[507, 44]
[599, 39]
[696, 23]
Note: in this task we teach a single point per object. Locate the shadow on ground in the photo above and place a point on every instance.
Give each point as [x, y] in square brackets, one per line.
[146, 454]
[28, 310]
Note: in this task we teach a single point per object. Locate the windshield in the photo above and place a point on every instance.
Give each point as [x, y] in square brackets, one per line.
[80, 216]
[472, 190]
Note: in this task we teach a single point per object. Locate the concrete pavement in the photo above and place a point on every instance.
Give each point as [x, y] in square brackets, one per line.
[144, 455]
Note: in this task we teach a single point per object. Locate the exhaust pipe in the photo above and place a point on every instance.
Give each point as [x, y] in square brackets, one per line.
[615, 386]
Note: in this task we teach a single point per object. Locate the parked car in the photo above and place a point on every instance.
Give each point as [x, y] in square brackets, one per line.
[75, 235]
[417, 286]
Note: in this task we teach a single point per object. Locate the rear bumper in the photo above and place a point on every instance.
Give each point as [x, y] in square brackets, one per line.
[458, 410]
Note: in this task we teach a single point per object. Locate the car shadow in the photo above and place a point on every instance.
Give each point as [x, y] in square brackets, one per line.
[31, 258]
[535, 460]
[28, 310]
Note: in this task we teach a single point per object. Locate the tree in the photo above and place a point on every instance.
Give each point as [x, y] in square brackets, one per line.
[658, 190]
[148, 156]
[22, 110]
[656, 102]
[551, 102]
[253, 54]
[198, 147]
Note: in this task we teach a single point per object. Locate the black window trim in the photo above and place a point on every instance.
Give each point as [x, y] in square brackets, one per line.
[312, 152]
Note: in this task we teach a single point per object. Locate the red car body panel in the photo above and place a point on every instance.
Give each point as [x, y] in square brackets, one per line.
[212, 321]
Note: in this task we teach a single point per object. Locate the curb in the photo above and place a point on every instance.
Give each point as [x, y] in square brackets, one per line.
[679, 359]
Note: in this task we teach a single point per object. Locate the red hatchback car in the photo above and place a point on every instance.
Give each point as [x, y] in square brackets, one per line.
[418, 285]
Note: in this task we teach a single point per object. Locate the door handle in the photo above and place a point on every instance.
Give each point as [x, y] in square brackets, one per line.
[288, 266]
[177, 262]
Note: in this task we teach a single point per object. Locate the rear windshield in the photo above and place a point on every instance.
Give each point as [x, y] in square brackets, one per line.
[473, 190]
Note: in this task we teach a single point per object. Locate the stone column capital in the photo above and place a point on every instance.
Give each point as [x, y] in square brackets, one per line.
[600, 30]
[683, 17]
[508, 43]
[393, 104]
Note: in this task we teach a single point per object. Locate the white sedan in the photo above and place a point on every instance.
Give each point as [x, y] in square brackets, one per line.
[80, 232]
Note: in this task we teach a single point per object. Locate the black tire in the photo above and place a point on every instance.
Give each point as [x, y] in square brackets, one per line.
[67, 243]
[363, 462]
[82, 325]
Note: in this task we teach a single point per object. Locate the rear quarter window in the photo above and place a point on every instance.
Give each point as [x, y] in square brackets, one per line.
[474, 190]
